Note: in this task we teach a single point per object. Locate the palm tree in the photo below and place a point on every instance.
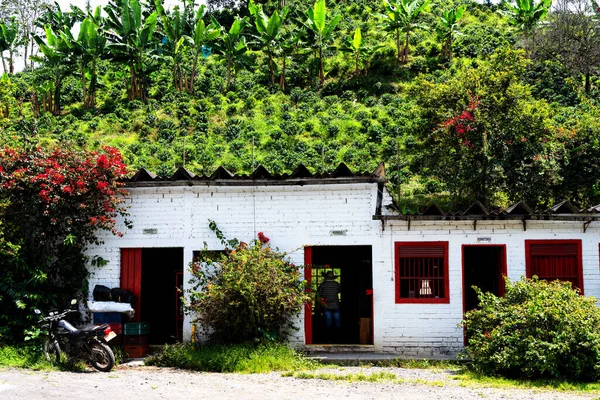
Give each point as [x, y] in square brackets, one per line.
[269, 32]
[525, 16]
[403, 16]
[131, 38]
[448, 28]
[321, 30]
[175, 28]
[231, 45]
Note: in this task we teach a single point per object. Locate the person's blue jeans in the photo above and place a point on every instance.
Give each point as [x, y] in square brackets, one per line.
[332, 318]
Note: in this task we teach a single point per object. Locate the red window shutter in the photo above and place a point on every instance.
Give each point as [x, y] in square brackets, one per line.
[555, 260]
[131, 275]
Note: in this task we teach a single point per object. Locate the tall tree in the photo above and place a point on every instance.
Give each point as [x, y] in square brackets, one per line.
[321, 26]
[526, 15]
[572, 36]
[448, 28]
[26, 13]
[131, 37]
[403, 17]
[360, 50]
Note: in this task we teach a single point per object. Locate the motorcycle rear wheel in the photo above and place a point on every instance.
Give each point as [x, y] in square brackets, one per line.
[101, 356]
[51, 350]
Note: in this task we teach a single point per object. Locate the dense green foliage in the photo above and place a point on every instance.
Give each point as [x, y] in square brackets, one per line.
[300, 84]
[247, 292]
[283, 86]
[242, 358]
[537, 329]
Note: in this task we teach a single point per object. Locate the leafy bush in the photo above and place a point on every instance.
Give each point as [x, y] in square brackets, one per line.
[537, 330]
[251, 291]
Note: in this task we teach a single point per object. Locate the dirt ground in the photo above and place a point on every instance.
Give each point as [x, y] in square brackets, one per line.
[150, 383]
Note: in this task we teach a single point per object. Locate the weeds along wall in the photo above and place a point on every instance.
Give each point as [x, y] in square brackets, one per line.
[290, 215]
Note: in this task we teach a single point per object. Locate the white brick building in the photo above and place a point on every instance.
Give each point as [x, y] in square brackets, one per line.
[404, 279]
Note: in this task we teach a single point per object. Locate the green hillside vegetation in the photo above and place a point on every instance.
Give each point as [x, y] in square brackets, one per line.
[461, 100]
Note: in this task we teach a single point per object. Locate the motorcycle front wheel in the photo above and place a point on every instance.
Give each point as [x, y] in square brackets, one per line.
[101, 356]
[51, 350]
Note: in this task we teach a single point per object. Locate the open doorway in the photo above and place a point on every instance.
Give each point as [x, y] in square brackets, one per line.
[162, 274]
[484, 266]
[352, 268]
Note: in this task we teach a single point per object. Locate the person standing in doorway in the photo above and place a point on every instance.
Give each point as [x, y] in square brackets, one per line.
[328, 292]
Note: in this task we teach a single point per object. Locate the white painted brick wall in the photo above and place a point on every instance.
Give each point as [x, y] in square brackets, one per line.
[293, 216]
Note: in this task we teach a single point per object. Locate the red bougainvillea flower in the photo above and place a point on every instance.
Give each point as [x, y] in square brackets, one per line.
[262, 238]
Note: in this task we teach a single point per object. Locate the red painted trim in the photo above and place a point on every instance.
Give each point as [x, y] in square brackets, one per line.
[400, 300]
[131, 275]
[308, 306]
[528, 244]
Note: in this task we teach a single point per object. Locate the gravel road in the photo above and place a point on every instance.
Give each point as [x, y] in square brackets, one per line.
[150, 383]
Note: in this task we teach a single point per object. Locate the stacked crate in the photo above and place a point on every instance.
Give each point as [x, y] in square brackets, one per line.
[136, 343]
[115, 321]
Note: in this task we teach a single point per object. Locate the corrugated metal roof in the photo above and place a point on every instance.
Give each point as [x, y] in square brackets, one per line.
[221, 176]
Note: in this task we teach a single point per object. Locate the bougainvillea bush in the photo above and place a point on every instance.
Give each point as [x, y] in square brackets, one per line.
[52, 204]
[249, 291]
[538, 329]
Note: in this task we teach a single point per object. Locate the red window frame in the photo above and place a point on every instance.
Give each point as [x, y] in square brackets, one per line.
[423, 256]
[557, 265]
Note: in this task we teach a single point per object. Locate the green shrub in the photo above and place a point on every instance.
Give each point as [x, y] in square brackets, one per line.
[536, 330]
[249, 292]
[245, 358]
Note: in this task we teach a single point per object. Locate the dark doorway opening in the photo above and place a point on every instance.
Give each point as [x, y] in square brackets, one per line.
[162, 273]
[352, 266]
[484, 266]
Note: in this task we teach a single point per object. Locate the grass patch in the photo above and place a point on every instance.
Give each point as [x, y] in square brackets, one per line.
[353, 377]
[468, 378]
[421, 364]
[23, 357]
[242, 358]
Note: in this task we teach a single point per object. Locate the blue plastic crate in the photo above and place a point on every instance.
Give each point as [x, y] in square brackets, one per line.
[108, 318]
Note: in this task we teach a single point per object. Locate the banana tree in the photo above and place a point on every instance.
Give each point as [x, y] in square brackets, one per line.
[202, 35]
[90, 47]
[269, 32]
[403, 17]
[9, 41]
[131, 41]
[57, 58]
[321, 29]
[448, 28]
[525, 15]
[175, 27]
[231, 45]
[360, 50]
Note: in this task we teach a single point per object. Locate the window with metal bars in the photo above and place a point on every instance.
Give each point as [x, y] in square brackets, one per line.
[555, 260]
[422, 272]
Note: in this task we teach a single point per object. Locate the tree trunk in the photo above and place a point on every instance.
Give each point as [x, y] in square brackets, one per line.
[56, 109]
[321, 71]
[35, 104]
[84, 89]
[271, 68]
[228, 73]
[282, 76]
[132, 80]
[3, 62]
[588, 84]
[194, 67]
[398, 45]
[10, 62]
[405, 52]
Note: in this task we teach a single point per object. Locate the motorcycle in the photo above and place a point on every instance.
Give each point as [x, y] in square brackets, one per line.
[87, 344]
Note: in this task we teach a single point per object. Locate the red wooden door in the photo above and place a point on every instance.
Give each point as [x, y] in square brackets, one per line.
[131, 275]
[308, 306]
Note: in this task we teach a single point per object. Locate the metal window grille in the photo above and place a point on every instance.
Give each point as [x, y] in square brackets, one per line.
[421, 271]
[555, 262]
